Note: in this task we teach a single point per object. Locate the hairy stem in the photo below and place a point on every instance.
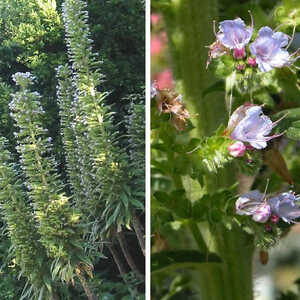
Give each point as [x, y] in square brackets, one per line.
[193, 226]
[190, 28]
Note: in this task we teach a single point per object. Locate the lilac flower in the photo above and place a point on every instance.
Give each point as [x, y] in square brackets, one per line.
[237, 116]
[285, 207]
[234, 34]
[253, 127]
[153, 90]
[248, 203]
[269, 49]
[253, 203]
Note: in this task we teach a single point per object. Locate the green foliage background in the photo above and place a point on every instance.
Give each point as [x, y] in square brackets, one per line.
[32, 38]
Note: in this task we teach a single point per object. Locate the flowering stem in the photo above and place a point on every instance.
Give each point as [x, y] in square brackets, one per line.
[232, 279]
[189, 27]
[193, 226]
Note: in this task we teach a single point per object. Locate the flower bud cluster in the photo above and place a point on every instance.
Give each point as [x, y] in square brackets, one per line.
[268, 50]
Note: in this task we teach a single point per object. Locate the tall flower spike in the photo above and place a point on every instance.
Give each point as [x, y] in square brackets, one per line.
[254, 128]
[270, 50]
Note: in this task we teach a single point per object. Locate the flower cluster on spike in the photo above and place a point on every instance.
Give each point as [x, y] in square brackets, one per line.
[171, 103]
[267, 51]
[249, 125]
[269, 209]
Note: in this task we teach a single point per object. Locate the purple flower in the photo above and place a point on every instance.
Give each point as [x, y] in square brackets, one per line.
[253, 127]
[234, 34]
[237, 116]
[249, 203]
[285, 207]
[253, 203]
[269, 49]
[153, 90]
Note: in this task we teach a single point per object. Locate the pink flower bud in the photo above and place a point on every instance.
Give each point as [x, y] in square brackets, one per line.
[274, 219]
[268, 228]
[249, 147]
[237, 149]
[252, 61]
[239, 53]
[240, 67]
[262, 214]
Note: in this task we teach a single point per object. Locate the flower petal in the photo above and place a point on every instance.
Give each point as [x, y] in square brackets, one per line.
[234, 33]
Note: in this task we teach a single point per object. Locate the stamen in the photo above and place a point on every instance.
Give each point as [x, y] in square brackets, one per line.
[268, 138]
[190, 152]
[292, 38]
[276, 122]
[252, 20]
[265, 192]
[285, 23]
[214, 28]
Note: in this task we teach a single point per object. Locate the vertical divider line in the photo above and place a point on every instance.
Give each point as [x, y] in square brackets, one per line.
[148, 157]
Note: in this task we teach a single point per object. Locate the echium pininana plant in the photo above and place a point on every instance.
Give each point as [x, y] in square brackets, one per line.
[94, 130]
[135, 124]
[208, 212]
[57, 222]
[103, 188]
[27, 250]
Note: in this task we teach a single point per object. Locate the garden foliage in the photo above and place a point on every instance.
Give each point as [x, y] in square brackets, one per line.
[68, 200]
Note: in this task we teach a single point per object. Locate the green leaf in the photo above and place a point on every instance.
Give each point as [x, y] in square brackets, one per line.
[41, 293]
[294, 131]
[167, 260]
[176, 202]
[47, 282]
